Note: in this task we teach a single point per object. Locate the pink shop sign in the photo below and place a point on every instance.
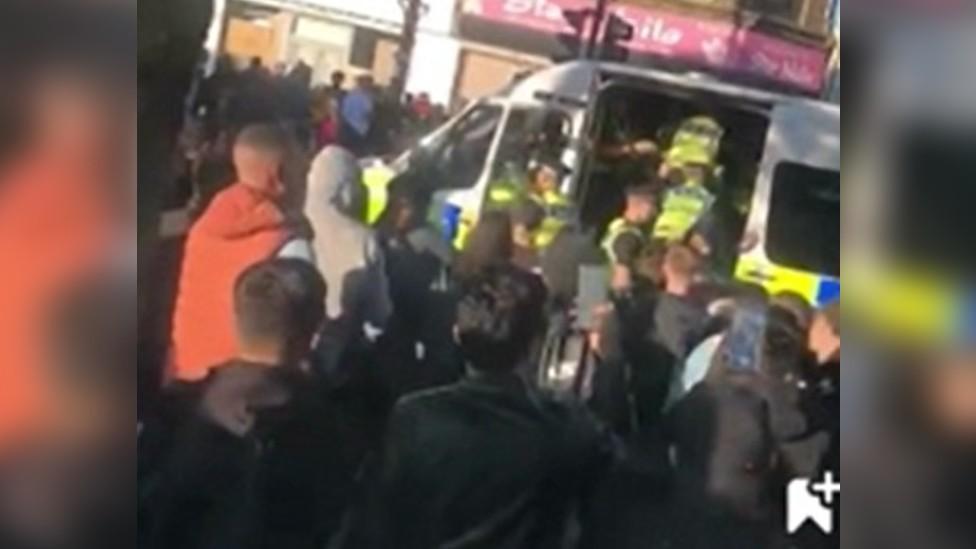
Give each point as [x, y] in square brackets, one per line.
[712, 43]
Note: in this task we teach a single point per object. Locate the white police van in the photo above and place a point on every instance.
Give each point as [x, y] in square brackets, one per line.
[782, 151]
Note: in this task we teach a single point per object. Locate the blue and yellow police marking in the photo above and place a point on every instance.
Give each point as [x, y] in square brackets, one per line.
[816, 289]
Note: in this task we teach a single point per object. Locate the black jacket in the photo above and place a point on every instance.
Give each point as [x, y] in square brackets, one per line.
[207, 483]
[487, 462]
[727, 433]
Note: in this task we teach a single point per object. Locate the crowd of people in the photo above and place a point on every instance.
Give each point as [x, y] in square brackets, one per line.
[352, 111]
[331, 382]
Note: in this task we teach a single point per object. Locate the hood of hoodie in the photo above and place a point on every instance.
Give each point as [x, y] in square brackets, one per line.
[238, 392]
[241, 211]
[333, 178]
[344, 247]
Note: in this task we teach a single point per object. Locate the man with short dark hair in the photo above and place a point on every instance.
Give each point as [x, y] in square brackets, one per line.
[337, 80]
[489, 461]
[627, 235]
[247, 456]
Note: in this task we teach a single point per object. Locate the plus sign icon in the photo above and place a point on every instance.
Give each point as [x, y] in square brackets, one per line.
[812, 500]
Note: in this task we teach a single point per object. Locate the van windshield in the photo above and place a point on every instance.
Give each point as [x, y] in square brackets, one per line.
[803, 228]
[458, 156]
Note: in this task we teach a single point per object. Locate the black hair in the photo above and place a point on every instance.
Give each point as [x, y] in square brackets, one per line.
[404, 191]
[279, 299]
[496, 319]
[785, 344]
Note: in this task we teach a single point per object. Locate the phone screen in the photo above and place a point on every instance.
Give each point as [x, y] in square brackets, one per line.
[742, 348]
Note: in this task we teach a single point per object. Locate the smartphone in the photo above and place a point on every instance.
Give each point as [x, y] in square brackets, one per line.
[593, 291]
[742, 348]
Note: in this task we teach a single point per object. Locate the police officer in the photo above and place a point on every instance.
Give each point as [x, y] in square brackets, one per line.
[545, 175]
[627, 235]
[690, 165]
[541, 186]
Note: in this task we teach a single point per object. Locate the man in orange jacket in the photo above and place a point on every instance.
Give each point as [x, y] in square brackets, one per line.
[244, 224]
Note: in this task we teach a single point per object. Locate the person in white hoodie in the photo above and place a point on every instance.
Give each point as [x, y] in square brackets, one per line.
[346, 253]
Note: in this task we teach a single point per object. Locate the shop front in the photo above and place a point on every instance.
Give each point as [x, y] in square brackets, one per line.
[355, 37]
[661, 38]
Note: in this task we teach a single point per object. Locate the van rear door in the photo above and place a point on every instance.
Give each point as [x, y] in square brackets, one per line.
[792, 240]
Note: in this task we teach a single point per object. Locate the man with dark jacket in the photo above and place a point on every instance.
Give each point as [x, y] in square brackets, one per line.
[728, 434]
[489, 461]
[824, 403]
[247, 457]
[680, 319]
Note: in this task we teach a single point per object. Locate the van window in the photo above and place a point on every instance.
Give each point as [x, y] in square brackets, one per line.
[529, 133]
[459, 156]
[803, 228]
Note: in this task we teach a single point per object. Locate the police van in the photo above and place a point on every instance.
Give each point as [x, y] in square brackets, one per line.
[779, 158]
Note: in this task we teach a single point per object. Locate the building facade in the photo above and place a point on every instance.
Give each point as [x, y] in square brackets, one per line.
[353, 36]
[783, 47]
[470, 48]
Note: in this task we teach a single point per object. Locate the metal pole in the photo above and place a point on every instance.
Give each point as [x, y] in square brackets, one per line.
[411, 18]
[595, 25]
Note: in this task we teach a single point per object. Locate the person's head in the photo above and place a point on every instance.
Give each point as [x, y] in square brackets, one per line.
[260, 153]
[279, 306]
[255, 64]
[527, 216]
[544, 175]
[338, 79]
[407, 204]
[301, 74]
[785, 346]
[824, 337]
[489, 244]
[495, 321]
[641, 205]
[681, 265]
[278, 69]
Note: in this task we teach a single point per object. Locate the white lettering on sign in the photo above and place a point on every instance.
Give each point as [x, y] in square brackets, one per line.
[765, 64]
[715, 50]
[537, 8]
[657, 30]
